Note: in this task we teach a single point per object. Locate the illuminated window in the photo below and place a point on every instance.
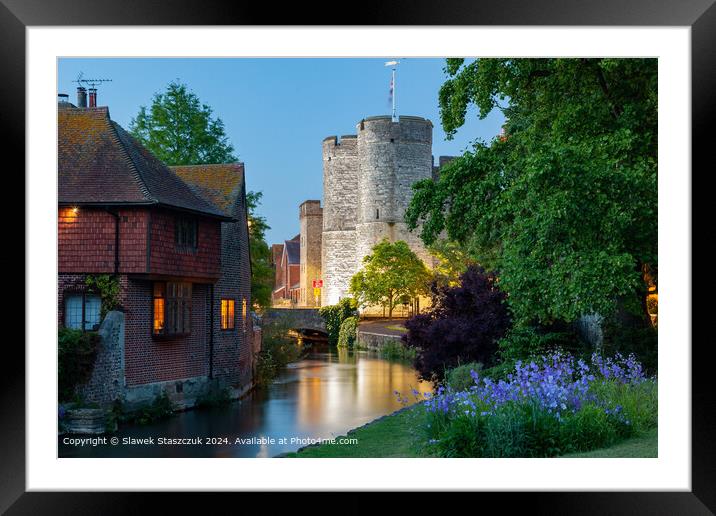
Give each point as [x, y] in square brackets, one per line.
[227, 314]
[172, 308]
[243, 312]
[82, 311]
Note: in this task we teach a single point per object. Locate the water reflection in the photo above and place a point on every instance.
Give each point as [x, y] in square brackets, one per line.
[322, 396]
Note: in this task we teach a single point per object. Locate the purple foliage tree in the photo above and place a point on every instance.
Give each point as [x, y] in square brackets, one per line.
[463, 325]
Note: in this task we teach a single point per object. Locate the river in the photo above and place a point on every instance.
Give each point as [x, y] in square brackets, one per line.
[320, 397]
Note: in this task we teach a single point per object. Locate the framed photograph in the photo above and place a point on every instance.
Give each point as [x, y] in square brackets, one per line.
[331, 257]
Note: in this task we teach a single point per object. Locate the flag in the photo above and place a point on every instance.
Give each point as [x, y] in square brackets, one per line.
[390, 94]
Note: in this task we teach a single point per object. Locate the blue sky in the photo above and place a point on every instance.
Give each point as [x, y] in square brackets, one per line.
[277, 111]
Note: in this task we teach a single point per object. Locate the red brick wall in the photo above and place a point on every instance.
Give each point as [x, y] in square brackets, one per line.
[165, 258]
[233, 355]
[86, 240]
[150, 360]
[294, 275]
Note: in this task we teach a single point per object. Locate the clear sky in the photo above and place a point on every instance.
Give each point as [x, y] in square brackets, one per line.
[277, 111]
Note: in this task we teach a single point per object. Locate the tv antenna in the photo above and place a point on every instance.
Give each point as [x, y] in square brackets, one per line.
[92, 83]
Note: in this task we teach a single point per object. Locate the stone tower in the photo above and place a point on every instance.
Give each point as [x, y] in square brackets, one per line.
[391, 157]
[340, 201]
[311, 218]
[367, 182]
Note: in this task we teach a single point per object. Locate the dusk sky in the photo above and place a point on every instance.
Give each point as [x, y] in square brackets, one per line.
[277, 111]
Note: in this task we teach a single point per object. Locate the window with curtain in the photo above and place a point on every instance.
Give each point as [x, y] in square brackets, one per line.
[227, 314]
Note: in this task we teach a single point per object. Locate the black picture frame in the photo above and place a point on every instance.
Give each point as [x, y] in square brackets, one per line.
[700, 15]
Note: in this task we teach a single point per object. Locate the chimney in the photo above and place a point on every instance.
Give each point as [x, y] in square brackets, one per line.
[81, 97]
[63, 98]
[93, 97]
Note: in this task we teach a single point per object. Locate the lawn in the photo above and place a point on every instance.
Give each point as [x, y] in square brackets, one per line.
[392, 436]
[646, 445]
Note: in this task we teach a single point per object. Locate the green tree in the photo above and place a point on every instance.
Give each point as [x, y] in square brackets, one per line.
[391, 274]
[452, 261]
[179, 130]
[563, 204]
[262, 274]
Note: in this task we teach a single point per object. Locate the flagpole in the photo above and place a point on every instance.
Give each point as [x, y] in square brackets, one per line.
[394, 65]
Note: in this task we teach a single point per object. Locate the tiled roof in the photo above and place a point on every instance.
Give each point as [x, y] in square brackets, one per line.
[221, 184]
[293, 251]
[100, 163]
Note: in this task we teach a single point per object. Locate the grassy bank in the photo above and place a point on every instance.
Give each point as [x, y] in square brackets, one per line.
[389, 436]
[394, 436]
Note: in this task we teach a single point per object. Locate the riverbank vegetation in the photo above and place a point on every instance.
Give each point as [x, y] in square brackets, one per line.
[394, 349]
[347, 334]
[278, 349]
[76, 355]
[334, 315]
[556, 407]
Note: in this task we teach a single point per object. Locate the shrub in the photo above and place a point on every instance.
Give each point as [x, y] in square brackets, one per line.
[524, 342]
[395, 349]
[278, 349]
[347, 334]
[334, 315]
[463, 325]
[266, 368]
[76, 353]
[549, 407]
[460, 377]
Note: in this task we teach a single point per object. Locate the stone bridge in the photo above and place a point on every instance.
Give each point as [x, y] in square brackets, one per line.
[303, 320]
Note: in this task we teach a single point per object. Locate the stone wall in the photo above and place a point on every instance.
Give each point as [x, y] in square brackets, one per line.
[338, 264]
[374, 341]
[107, 381]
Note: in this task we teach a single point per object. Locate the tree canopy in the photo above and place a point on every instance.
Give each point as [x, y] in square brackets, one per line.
[262, 274]
[392, 274]
[563, 204]
[179, 130]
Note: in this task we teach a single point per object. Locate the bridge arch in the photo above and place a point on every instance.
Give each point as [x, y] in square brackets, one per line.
[305, 321]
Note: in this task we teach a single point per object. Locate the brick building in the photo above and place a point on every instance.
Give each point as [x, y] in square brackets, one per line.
[179, 250]
[287, 283]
